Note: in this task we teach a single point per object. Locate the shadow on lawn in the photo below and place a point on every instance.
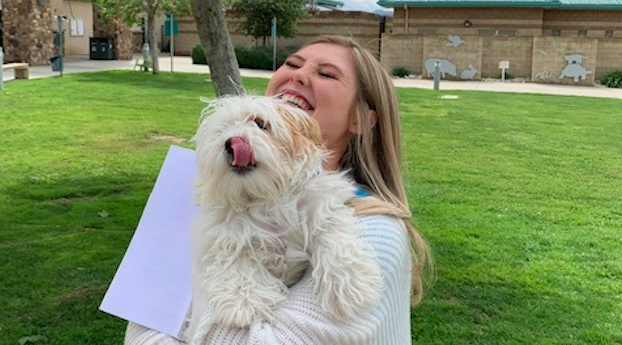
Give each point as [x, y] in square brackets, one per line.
[199, 83]
[112, 201]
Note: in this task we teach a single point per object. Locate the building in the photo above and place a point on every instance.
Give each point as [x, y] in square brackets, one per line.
[28, 28]
[547, 41]
[362, 26]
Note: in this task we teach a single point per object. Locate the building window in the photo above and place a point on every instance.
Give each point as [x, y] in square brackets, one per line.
[609, 33]
[582, 32]
[507, 32]
[428, 31]
[556, 32]
[487, 32]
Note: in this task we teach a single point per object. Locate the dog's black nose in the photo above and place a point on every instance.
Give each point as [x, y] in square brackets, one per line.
[228, 148]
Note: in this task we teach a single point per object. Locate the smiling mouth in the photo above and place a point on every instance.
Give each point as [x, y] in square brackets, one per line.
[296, 101]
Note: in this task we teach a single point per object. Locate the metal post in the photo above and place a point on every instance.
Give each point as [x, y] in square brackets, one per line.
[503, 75]
[146, 57]
[172, 40]
[1, 62]
[274, 44]
[437, 74]
[59, 21]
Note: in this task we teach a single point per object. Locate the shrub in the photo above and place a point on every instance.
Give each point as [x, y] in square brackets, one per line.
[198, 56]
[259, 57]
[400, 72]
[507, 76]
[613, 79]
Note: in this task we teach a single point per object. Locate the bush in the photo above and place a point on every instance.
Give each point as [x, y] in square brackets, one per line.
[508, 76]
[613, 79]
[259, 57]
[198, 56]
[400, 72]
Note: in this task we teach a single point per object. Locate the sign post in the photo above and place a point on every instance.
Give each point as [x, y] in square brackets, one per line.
[503, 65]
[170, 28]
[274, 44]
[437, 74]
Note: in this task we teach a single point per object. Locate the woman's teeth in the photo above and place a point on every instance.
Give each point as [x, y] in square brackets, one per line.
[297, 101]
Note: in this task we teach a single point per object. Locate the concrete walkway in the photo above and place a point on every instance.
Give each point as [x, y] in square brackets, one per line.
[81, 64]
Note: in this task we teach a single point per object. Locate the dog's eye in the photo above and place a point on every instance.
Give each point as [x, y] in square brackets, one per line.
[260, 123]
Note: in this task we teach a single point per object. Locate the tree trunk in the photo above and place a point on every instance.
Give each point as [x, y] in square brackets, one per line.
[218, 47]
[153, 45]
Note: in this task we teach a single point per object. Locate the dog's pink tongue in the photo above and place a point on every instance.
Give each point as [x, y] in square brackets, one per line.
[242, 152]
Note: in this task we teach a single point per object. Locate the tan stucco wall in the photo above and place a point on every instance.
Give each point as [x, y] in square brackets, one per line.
[75, 45]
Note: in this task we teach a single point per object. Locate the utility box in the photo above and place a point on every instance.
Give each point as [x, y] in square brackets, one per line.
[101, 48]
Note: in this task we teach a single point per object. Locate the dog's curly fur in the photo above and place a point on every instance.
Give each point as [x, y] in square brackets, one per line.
[258, 230]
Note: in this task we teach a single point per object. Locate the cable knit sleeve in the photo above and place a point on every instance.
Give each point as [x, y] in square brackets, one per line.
[303, 322]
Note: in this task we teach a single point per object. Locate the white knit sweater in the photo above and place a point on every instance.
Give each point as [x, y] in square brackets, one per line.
[303, 322]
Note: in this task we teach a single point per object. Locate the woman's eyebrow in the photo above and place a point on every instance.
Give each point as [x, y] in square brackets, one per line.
[323, 64]
[328, 64]
[298, 57]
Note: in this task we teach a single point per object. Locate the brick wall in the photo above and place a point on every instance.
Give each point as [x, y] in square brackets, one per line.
[451, 20]
[364, 27]
[402, 51]
[522, 36]
[516, 50]
[466, 56]
[569, 22]
[609, 56]
[549, 59]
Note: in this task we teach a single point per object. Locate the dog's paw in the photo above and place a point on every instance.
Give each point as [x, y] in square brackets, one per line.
[246, 304]
[243, 315]
[347, 288]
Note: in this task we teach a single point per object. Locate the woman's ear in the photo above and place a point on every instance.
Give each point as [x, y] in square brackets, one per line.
[373, 120]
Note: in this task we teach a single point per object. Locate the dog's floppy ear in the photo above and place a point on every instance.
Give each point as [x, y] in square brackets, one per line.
[305, 130]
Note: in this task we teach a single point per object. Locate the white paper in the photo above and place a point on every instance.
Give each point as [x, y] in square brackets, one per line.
[152, 286]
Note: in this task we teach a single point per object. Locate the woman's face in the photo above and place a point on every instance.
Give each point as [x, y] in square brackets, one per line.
[321, 80]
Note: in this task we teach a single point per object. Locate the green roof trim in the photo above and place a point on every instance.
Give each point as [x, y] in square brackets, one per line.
[558, 4]
[329, 3]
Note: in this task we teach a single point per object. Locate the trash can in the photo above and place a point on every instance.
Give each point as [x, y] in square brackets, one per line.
[101, 48]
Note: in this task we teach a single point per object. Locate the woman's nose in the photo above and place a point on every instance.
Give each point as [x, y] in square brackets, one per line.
[301, 76]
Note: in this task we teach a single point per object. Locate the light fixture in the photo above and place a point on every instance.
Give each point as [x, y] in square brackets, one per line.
[467, 23]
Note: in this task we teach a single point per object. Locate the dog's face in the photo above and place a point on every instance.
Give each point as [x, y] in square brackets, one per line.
[254, 148]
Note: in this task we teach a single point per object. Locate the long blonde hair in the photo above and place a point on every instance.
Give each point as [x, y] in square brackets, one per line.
[374, 156]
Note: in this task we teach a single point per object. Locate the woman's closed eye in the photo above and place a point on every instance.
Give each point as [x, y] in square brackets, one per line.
[328, 75]
[291, 64]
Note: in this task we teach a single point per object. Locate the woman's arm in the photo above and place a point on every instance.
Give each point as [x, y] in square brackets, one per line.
[303, 322]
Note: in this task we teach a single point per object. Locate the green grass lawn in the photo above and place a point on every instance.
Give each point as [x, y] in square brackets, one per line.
[520, 197]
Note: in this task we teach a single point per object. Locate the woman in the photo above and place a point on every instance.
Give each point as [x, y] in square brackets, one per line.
[343, 86]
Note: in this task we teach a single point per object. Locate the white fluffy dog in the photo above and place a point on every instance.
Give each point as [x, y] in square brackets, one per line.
[268, 211]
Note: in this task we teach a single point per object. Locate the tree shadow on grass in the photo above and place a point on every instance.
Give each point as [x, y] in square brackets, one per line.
[37, 207]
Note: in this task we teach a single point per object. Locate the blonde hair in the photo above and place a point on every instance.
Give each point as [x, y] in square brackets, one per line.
[374, 156]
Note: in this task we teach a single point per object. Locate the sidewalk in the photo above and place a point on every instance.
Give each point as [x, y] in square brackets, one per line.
[80, 64]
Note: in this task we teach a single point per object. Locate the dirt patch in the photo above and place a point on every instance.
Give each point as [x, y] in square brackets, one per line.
[166, 137]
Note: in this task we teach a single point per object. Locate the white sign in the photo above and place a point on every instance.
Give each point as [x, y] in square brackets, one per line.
[77, 27]
[153, 284]
[504, 65]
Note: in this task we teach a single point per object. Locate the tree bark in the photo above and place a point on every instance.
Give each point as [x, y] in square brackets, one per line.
[151, 37]
[218, 47]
